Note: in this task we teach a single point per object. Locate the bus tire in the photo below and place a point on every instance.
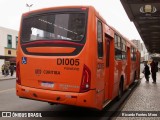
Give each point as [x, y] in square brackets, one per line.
[120, 91]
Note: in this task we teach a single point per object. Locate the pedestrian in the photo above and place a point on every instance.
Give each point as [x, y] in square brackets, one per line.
[154, 70]
[146, 71]
[11, 67]
[6, 69]
[2, 68]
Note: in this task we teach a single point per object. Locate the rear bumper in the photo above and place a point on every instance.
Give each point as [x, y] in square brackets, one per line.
[87, 99]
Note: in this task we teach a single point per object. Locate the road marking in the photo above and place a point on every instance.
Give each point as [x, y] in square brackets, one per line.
[7, 90]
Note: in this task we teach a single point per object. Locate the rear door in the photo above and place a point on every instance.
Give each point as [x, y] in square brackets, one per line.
[107, 71]
[100, 60]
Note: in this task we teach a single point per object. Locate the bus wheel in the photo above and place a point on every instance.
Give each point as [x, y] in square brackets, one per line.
[120, 92]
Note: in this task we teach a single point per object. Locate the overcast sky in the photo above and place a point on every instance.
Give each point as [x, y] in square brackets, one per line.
[111, 10]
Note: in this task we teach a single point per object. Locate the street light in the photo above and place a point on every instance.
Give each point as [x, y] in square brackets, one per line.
[29, 6]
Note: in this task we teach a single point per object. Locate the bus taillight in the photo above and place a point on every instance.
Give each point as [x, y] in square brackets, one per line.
[18, 80]
[86, 79]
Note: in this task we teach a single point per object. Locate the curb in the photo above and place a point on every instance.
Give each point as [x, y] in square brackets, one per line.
[1, 79]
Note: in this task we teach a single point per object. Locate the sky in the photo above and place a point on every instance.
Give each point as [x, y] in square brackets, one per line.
[111, 10]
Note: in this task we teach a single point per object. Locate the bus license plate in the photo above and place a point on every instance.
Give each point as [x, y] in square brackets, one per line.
[47, 84]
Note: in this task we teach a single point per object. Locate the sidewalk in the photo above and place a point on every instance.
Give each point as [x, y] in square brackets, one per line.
[144, 98]
[141, 75]
[3, 77]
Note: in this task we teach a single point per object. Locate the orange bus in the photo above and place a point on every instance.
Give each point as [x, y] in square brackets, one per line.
[69, 55]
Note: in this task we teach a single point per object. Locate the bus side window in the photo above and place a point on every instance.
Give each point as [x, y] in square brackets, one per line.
[118, 54]
[133, 54]
[100, 39]
[118, 47]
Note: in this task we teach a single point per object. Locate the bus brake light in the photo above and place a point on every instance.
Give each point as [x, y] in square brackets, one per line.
[86, 79]
[18, 80]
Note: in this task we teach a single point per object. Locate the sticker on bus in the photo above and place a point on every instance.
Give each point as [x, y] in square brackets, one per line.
[24, 60]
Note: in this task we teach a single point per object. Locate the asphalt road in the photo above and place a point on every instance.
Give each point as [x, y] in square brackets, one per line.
[6, 85]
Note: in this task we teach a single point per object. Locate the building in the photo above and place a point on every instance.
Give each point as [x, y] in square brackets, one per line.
[137, 43]
[141, 47]
[8, 45]
[144, 53]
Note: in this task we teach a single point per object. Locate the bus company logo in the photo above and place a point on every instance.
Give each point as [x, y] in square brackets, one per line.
[6, 114]
[148, 9]
[38, 71]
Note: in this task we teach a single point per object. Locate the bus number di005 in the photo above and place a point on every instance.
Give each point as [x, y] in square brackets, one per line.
[63, 61]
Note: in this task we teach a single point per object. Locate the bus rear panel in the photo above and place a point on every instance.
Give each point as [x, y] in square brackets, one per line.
[51, 62]
[69, 55]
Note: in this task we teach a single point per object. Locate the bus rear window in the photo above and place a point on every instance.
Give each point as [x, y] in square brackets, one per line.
[68, 26]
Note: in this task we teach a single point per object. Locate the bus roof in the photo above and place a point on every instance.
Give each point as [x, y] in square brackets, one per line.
[56, 8]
